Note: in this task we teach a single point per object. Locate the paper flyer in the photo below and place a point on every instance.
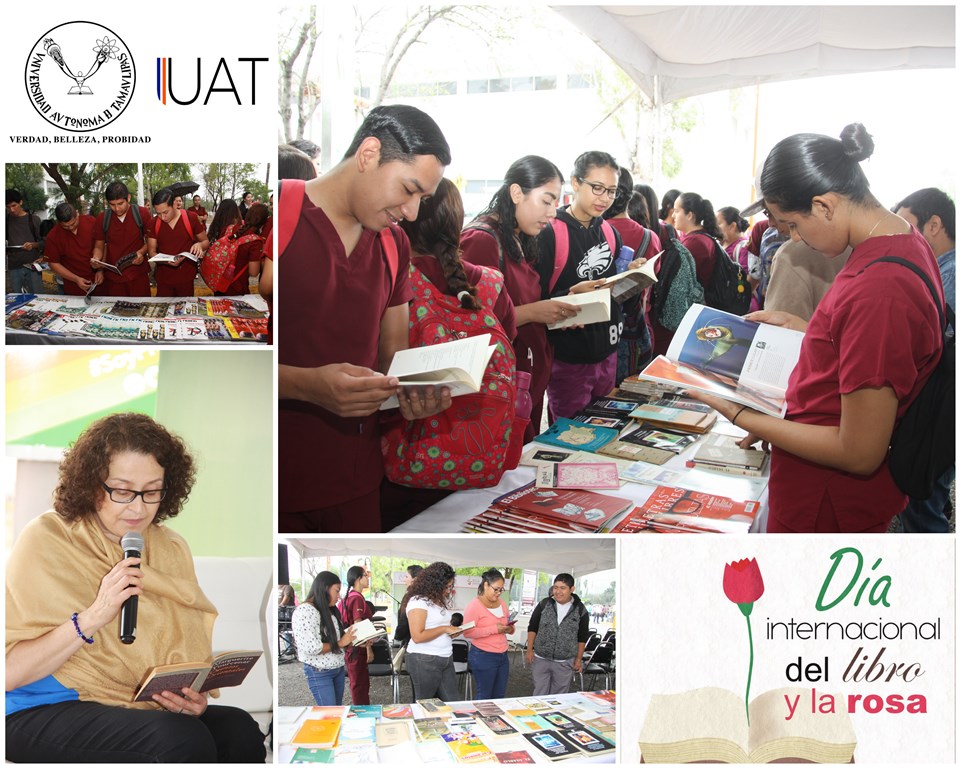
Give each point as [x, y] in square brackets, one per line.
[795, 647]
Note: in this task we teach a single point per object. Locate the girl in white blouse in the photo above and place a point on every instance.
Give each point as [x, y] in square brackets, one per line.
[320, 638]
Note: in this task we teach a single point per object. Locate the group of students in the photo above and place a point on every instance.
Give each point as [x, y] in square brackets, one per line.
[427, 623]
[869, 347]
[110, 252]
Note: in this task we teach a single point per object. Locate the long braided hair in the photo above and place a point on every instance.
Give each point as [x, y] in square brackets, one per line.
[436, 231]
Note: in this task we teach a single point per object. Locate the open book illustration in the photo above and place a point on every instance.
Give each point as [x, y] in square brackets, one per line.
[727, 356]
[164, 258]
[628, 284]
[458, 364]
[595, 308]
[708, 725]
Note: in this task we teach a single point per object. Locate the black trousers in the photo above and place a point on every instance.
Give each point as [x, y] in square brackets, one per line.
[87, 732]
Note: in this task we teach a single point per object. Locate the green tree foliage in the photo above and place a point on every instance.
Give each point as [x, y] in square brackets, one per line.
[82, 184]
[156, 176]
[223, 180]
[28, 178]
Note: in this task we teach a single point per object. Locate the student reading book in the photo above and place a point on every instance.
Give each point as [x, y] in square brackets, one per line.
[594, 308]
[728, 356]
[458, 365]
[709, 725]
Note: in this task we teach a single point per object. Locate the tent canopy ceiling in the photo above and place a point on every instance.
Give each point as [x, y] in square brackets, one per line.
[684, 51]
[552, 554]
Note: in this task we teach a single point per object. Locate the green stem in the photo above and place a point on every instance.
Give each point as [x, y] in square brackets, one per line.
[746, 701]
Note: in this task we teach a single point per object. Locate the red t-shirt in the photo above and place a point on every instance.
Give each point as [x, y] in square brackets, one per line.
[534, 352]
[198, 212]
[632, 235]
[122, 238]
[701, 247]
[503, 309]
[756, 235]
[174, 240]
[331, 311]
[876, 329]
[73, 250]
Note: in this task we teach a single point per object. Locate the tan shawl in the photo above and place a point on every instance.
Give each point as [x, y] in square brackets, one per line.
[56, 567]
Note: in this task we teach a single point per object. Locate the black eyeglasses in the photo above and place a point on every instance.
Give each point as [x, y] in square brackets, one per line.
[125, 495]
[498, 590]
[598, 189]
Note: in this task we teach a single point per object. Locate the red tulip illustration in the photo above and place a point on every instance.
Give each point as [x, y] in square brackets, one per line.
[743, 585]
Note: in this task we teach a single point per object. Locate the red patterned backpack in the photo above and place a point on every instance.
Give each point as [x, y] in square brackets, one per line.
[219, 265]
[466, 445]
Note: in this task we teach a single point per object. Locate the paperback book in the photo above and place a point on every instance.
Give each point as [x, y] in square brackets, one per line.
[594, 308]
[566, 433]
[225, 671]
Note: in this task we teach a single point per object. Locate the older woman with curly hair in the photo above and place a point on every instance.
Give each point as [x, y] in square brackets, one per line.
[429, 657]
[70, 678]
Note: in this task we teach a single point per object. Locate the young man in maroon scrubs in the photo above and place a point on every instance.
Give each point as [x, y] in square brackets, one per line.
[68, 250]
[344, 314]
[199, 210]
[124, 236]
[177, 231]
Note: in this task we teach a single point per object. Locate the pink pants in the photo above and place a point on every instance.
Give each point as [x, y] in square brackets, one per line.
[573, 386]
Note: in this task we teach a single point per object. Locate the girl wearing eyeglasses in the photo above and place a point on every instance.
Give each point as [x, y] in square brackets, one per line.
[584, 358]
[70, 679]
[488, 649]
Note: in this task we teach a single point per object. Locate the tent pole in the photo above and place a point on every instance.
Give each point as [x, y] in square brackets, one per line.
[658, 133]
[756, 132]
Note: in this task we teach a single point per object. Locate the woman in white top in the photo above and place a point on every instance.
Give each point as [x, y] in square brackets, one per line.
[429, 657]
[320, 638]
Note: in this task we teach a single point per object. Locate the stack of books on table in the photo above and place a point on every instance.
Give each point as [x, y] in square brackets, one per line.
[545, 510]
[677, 510]
[720, 453]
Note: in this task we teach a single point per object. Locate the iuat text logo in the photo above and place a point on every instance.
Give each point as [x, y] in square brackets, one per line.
[191, 81]
[80, 76]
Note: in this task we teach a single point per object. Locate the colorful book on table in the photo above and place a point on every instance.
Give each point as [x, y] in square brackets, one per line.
[566, 433]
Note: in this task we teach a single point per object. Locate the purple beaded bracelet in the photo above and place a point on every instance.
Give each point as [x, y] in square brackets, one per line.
[76, 626]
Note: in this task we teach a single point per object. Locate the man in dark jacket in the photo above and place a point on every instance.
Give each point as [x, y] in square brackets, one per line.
[556, 635]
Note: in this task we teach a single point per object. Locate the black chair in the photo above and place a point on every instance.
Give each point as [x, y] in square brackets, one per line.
[286, 646]
[610, 634]
[461, 665]
[601, 663]
[382, 664]
[591, 645]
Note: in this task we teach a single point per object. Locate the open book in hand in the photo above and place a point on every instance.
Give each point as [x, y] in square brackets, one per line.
[123, 263]
[458, 364]
[225, 671]
[595, 308]
[736, 359]
[366, 630]
[628, 284]
[166, 258]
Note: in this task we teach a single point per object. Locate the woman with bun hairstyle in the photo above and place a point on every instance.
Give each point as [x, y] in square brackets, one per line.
[731, 226]
[354, 609]
[488, 650]
[696, 222]
[667, 205]
[429, 608]
[504, 236]
[868, 349]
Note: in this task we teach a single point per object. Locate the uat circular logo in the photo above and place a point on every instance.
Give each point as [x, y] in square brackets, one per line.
[80, 76]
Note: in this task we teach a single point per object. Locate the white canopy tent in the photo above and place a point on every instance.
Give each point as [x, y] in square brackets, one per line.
[553, 554]
[673, 52]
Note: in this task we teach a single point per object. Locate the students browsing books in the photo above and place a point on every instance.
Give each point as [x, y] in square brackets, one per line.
[869, 348]
[68, 250]
[354, 609]
[488, 649]
[320, 637]
[124, 230]
[176, 231]
[345, 315]
[556, 636]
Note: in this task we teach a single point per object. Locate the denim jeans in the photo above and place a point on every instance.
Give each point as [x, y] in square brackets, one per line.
[326, 685]
[490, 671]
[21, 280]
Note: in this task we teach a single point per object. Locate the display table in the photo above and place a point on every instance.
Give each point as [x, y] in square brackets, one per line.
[582, 708]
[449, 515]
[53, 319]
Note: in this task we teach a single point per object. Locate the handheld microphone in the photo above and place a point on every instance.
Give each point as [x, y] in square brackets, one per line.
[132, 546]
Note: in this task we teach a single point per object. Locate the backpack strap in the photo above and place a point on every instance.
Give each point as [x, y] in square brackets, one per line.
[644, 244]
[289, 215]
[388, 243]
[561, 251]
[489, 231]
[944, 320]
[611, 236]
[185, 218]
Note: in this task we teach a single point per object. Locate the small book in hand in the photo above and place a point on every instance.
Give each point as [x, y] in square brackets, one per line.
[123, 263]
[366, 630]
[227, 670]
[166, 258]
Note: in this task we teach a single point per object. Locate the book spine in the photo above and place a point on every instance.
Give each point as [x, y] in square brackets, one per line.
[726, 469]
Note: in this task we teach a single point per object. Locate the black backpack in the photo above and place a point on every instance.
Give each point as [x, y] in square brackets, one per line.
[728, 290]
[923, 445]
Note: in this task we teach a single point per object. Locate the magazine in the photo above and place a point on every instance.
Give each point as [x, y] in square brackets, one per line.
[736, 359]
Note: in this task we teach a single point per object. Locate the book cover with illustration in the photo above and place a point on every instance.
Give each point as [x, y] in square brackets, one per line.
[786, 649]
